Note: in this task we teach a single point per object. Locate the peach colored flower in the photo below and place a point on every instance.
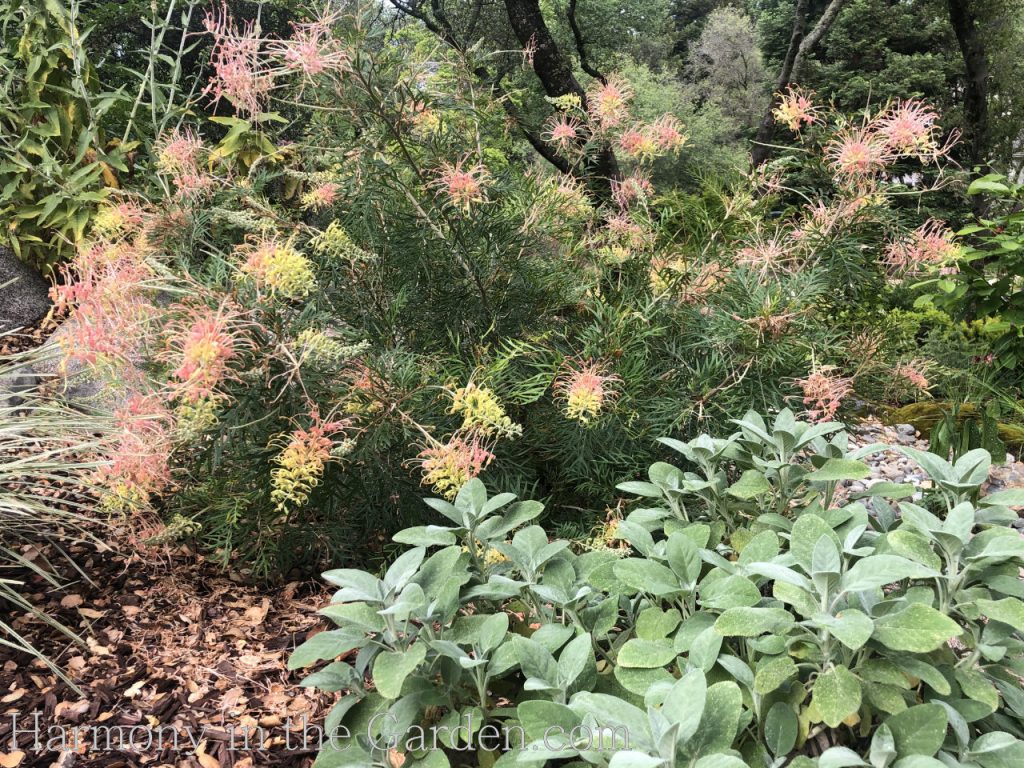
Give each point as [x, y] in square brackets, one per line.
[608, 103]
[823, 392]
[463, 186]
[795, 110]
[585, 388]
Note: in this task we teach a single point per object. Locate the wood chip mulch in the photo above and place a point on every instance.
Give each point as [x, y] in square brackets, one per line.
[170, 642]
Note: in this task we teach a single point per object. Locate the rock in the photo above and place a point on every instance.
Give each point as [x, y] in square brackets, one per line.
[24, 295]
[75, 383]
[906, 429]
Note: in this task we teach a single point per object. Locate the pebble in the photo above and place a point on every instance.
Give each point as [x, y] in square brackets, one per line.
[892, 466]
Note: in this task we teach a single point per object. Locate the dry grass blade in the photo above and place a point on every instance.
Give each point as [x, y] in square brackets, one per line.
[47, 453]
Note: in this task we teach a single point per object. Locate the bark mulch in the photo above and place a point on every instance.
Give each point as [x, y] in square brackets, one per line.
[170, 642]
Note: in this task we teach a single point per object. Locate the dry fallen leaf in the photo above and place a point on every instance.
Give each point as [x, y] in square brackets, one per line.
[11, 760]
[70, 601]
[89, 613]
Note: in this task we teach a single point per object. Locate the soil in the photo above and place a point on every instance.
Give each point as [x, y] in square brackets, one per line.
[170, 641]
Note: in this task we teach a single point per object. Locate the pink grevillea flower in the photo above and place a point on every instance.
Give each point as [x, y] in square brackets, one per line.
[857, 154]
[312, 50]
[463, 185]
[823, 392]
[930, 245]
[302, 460]
[201, 345]
[911, 373]
[795, 110]
[180, 154]
[638, 143]
[104, 287]
[138, 458]
[908, 128]
[621, 229]
[585, 389]
[449, 466]
[321, 196]
[608, 103]
[766, 254]
[564, 132]
[179, 150]
[635, 188]
[241, 71]
[667, 133]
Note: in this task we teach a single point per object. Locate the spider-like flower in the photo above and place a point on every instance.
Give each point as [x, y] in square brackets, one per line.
[482, 412]
[930, 245]
[708, 279]
[766, 254]
[795, 110]
[585, 389]
[911, 373]
[463, 185]
[823, 393]
[179, 150]
[311, 49]
[137, 464]
[564, 132]
[639, 144]
[667, 133]
[201, 345]
[908, 128]
[449, 466]
[321, 196]
[301, 462]
[179, 155]
[240, 70]
[857, 153]
[608, 103]
[278, 268]
[635, 188]
[105, 286]
[570, 198]
[117, 219]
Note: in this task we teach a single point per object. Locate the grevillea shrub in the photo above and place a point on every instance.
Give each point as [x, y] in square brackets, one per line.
[359, 283]
[749, 611]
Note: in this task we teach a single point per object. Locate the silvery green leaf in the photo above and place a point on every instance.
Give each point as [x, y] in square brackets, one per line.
[404, 568]
[449, 511]
[781, 573]
[918, 628]
[919, 730]
[684, 704]
[937, 469]
[426, 536]
[878, 570]
[356, 585]
[839, 757]
[493, 631]
[836, 470]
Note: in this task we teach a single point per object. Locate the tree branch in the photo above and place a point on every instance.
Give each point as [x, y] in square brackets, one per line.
[577, 35]
[801, 43]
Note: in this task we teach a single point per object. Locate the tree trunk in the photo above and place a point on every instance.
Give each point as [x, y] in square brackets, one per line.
[801, 43]
[554, 70]
[972, 47]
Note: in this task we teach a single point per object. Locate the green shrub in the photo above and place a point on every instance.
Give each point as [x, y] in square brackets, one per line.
[753, 617]
[57, 161]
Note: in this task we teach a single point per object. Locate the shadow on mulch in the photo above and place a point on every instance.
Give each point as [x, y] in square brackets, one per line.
[171, 644]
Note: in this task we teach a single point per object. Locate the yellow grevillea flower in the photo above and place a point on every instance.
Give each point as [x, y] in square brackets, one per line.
[280, 269]
[301, 465]
[482, 412]
[450, 466]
